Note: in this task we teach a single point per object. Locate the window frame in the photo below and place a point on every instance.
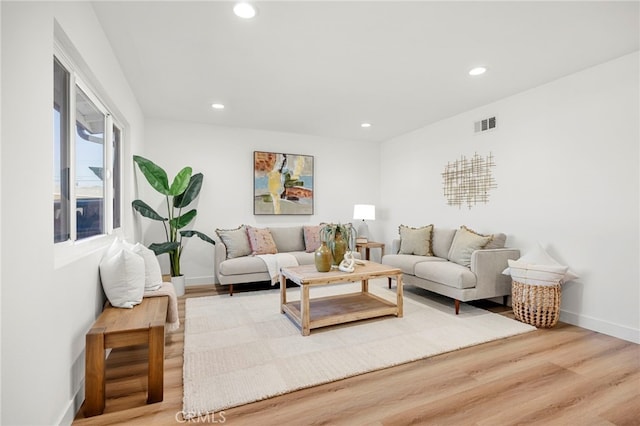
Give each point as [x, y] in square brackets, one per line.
[73, 248]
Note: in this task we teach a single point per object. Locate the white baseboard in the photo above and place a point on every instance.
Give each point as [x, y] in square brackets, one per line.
[604, 327]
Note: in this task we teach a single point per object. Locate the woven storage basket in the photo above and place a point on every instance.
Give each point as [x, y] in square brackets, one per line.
[536, 304]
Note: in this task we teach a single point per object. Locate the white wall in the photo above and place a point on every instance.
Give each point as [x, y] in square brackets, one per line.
[46, 311]
[567, 176]
[346, 173]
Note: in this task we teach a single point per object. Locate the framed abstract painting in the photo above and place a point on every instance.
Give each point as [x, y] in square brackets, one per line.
[282, 183]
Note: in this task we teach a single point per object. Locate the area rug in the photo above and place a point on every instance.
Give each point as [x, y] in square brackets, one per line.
[241, 349]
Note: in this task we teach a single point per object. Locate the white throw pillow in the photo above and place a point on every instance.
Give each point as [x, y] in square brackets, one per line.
[152, 272]
[540, 256]
[122, 276]
[536, 274]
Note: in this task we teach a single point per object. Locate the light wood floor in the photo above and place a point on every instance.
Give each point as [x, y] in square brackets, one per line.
[561, 376]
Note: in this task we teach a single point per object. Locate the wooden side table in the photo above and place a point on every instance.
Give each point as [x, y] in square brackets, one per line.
[367, 248]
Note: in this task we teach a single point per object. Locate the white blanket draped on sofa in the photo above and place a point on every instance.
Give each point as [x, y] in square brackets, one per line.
[276, 261]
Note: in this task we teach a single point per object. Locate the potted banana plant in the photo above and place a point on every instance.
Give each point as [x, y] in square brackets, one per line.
[182, 191]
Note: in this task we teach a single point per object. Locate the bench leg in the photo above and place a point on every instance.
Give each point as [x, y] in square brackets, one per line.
[94, 387]
[156, 364]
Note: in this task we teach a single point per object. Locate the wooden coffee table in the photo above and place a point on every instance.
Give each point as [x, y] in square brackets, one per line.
[324, 311]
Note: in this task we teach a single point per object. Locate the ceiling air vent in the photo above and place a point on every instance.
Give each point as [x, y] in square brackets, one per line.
[484, 125]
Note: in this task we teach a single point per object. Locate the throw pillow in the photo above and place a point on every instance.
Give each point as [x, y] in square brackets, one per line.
[311, 238]
[540, 256]
[236, 241]
[497, 241]
[465, 242]
[416, 240]
[536, 274]
[261, 241]
[123, 277]
[152, 272]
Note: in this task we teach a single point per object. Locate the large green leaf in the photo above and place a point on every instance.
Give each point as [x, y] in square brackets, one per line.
[191, 233]
[154, 174]
[161, 248]
[145, 210]
[190, 194]
[180, 182]
[182, 221]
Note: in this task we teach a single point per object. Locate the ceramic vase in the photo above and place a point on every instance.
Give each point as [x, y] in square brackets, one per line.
[338, 248]
[322, 257]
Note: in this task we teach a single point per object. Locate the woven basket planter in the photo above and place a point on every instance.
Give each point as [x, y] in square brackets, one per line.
[535, 304]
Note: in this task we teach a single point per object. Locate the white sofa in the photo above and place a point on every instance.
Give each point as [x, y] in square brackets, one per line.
[465, 273]
[236, 264]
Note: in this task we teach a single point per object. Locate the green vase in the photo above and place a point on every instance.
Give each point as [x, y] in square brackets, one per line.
[322, 257]
[338, 248]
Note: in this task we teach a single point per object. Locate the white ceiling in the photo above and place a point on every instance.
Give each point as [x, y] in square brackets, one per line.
[322, 68]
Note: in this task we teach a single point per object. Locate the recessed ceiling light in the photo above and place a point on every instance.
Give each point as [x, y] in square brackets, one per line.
[217, 106]
[244, 10]
[365, 125]
[478, 71]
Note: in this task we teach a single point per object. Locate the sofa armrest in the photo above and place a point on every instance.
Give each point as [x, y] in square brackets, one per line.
[395, 246]
[219, 254]
[488, 266]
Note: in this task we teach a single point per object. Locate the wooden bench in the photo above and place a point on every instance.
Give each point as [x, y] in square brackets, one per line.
[118, 328]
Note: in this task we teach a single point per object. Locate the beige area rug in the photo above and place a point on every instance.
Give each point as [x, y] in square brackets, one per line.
[241, 349]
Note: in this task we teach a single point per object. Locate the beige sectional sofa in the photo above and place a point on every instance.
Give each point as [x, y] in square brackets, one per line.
[459, 264]
[236, 261]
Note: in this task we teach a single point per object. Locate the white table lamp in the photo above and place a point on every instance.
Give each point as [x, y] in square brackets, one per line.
[364, 212]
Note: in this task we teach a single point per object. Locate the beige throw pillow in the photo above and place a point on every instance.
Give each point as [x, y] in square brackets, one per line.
[236, 241]
[416, 240]
[464, 243]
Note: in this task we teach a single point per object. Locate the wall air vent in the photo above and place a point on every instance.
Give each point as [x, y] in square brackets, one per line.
[485, 125]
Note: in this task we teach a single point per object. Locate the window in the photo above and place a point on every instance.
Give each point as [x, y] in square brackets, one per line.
[86, 190]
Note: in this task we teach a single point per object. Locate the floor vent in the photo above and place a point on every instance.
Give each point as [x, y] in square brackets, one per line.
[484, 125]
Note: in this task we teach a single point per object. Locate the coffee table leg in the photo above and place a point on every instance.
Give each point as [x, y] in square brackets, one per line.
[283, 292]
[365, 286]
[304, 310]
[399, 295]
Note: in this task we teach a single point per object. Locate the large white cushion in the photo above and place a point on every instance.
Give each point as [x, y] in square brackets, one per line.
[540, 256]
[123, 277]
[152, 272]
[536, 274]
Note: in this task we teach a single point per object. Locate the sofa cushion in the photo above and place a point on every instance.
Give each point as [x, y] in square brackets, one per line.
[236, 241]
[415, 240]
[441, 241]
[288, 239]
[243, 265]
[261, 241]
[303, 257]
[465, 242]
[536, 274]
[407, 262]
[311, 237]
[446, 273]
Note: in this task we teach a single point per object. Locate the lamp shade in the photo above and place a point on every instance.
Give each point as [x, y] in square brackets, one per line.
[364, 211]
